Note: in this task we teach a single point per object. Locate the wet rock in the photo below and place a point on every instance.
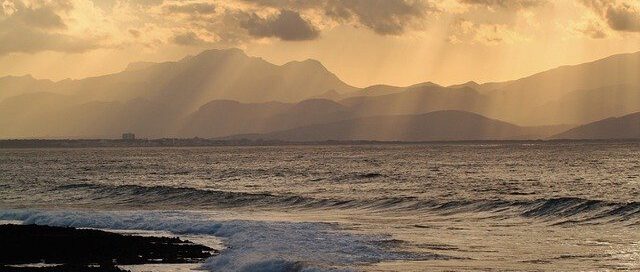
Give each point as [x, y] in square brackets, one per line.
[89, 250]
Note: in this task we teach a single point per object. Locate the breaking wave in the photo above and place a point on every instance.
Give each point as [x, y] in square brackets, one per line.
[250, 245]
[562, 209]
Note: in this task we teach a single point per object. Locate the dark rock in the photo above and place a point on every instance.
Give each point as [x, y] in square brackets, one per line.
[26, 244]
[63, 268]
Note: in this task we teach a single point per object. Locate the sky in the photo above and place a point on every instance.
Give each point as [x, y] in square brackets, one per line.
[364, 42]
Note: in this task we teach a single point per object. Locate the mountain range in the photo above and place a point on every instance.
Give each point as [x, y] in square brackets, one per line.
[624, 127]
[447, 125]
[221, 93]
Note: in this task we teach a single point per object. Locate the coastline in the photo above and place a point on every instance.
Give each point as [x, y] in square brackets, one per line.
[201, 142]
[43, 248]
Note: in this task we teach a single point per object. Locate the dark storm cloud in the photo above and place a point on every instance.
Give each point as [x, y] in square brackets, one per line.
[107, 5]
[620, 16]
[623, 17]
[291, 4]
[41, 16]
[191, 8]
[146, 2]
[287, 25]
[506, 4]
[385, 17]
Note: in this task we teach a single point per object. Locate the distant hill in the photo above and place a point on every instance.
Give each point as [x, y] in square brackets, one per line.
[419, 99]
[134, 66]
[526, 100]
[218, 93]
[625, 127]
[48, 115]
[434, 126]
[622, 69]
[212, 74]
[574, 94]
[379, 90]
[223, 118]
[154, 98]
[382, 89]
[19, 85]
[585, 106]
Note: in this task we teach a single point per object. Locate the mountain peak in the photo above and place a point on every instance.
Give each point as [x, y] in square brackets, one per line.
[26, 76]
[222, 52]
[309, 63]
[425, 84]
[139, 65]
[471, 84]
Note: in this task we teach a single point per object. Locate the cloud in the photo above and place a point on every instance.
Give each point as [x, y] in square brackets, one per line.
[487, 34]
[134, 32]
[624, 17]
[619, 15]
[495, 34]
[145, 3]
[191, 8]
[506, 4]
[31, 40]
[33, 26]
[592, 29]
[188, 39]
[43, 15]
[384, 17]
[291, 4]
[287, 25]
[40, 17]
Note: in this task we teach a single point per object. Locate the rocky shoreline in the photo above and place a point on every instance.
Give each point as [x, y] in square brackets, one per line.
[70, 249]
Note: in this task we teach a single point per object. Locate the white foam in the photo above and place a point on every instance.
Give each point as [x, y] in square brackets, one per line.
[161, 267]
[251, 245]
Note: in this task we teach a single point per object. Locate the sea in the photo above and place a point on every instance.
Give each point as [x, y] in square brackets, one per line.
[485, 206]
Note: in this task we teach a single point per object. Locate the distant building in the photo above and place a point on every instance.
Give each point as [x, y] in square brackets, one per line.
[128, 136]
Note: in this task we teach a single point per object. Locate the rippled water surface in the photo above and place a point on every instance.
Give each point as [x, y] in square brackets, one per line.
[439, 207]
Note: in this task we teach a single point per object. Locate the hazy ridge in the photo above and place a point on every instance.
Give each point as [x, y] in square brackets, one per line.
[220, 93]
[624, 127]
[435, 126]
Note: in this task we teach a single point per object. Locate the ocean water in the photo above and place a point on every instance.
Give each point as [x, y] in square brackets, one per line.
[570, 206]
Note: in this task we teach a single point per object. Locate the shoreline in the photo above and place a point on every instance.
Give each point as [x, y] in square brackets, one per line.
[42, 248]
[200, 142]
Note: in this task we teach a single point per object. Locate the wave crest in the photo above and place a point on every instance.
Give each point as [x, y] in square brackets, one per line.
[568, 209]
[251, 245]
